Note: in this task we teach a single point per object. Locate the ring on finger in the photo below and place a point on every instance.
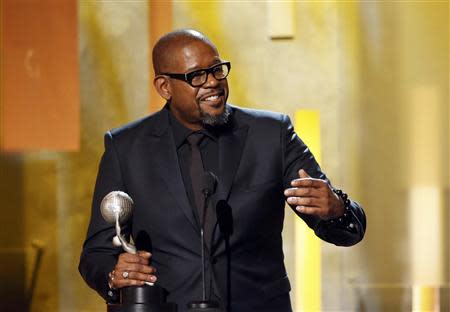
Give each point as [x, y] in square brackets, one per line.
[125, 274]
[112, 275]
[111, 279]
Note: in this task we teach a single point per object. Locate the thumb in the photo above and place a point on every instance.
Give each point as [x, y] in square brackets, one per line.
[302, 174]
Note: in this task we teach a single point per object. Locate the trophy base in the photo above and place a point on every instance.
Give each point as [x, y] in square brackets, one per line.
[142, 299]
[138, 307]
[204, 306]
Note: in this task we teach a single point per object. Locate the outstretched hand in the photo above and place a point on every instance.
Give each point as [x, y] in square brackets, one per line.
[132, 270]
[314, 197]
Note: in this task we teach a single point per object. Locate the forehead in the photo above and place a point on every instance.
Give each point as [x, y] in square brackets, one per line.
[194, 55]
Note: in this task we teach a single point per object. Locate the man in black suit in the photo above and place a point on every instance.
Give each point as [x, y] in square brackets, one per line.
[259, 162]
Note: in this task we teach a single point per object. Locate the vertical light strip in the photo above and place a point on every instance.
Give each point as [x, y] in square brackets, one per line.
[426, 196]
[280, 19]
[426, 299]
[307, 245]
[160, 22]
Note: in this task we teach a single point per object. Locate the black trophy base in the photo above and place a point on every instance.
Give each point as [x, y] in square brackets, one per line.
[142, 299]
[204, 306]
[163, 307]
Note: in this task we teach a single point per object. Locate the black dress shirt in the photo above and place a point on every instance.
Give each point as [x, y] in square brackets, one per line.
[209, 150]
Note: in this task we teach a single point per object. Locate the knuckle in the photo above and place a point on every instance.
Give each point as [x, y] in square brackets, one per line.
[143, 268]
[137, 267]
[139, 276]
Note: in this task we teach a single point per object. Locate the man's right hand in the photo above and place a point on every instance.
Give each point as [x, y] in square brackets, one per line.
[132, 270]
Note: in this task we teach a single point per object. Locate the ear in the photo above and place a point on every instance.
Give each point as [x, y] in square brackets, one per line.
[162, 86]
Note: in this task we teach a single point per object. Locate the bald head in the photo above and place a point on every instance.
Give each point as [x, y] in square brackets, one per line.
[164, 51]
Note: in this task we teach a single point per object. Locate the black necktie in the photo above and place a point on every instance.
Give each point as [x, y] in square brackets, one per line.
[196, 172]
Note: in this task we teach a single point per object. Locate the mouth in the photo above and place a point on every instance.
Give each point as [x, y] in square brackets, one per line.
[213, 98]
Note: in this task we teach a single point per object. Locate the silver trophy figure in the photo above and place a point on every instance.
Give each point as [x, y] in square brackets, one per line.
[117, 207]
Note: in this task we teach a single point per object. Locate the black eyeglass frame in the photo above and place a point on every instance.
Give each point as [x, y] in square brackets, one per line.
[187, 77]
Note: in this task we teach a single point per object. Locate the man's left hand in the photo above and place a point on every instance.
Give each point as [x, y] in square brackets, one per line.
[314, 197]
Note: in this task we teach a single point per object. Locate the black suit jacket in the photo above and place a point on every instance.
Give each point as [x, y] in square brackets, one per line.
[259, 155]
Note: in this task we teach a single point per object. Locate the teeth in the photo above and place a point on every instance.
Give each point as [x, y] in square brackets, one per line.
[212, 98]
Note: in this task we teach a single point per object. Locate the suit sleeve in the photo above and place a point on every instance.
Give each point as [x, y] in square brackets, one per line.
[298, 156]
[99, 256]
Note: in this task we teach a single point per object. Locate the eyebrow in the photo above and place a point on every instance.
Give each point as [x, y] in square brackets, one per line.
[196, 67]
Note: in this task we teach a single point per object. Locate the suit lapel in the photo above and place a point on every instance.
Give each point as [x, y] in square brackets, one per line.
[231, 145]
[160, 143]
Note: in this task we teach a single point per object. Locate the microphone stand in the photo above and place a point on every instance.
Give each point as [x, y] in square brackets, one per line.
[205, 305]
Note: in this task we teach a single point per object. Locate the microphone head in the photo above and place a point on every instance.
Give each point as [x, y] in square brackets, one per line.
[224, 218]
[209, 182]
[143, 241]
[116, 203]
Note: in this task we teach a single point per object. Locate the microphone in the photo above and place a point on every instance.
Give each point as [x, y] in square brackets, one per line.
[224, 218]
[209, 183]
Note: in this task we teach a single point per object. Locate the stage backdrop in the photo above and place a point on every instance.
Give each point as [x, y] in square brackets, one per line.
[377, 73]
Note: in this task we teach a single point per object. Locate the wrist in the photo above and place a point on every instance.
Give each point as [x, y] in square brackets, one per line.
[345, 219]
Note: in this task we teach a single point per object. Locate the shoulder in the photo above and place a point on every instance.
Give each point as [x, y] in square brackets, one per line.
[124, 138]
[258, 117]
[153, 124]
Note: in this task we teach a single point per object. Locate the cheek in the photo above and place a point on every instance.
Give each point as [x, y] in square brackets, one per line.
[225, 86]
[187, 104]
[184, 95]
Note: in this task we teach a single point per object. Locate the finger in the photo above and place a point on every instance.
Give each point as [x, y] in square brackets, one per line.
[132, 258]
[308, 182]
[309, 210]
[303, 174]
[144, 254]
[302, 191]
[139, 276]
[135, 267]
[119, 283]
[304, 201]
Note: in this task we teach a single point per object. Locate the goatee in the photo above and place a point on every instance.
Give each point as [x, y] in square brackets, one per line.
[216, 120]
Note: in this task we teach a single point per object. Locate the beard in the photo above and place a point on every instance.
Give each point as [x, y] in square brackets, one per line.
[216, 120]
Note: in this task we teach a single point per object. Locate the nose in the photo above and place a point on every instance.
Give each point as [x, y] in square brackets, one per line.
[211, 81]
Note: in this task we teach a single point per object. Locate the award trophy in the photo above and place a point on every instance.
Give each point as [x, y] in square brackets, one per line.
[116, 208]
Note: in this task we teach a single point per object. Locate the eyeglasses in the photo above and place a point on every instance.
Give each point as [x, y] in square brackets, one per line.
[198, 78]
